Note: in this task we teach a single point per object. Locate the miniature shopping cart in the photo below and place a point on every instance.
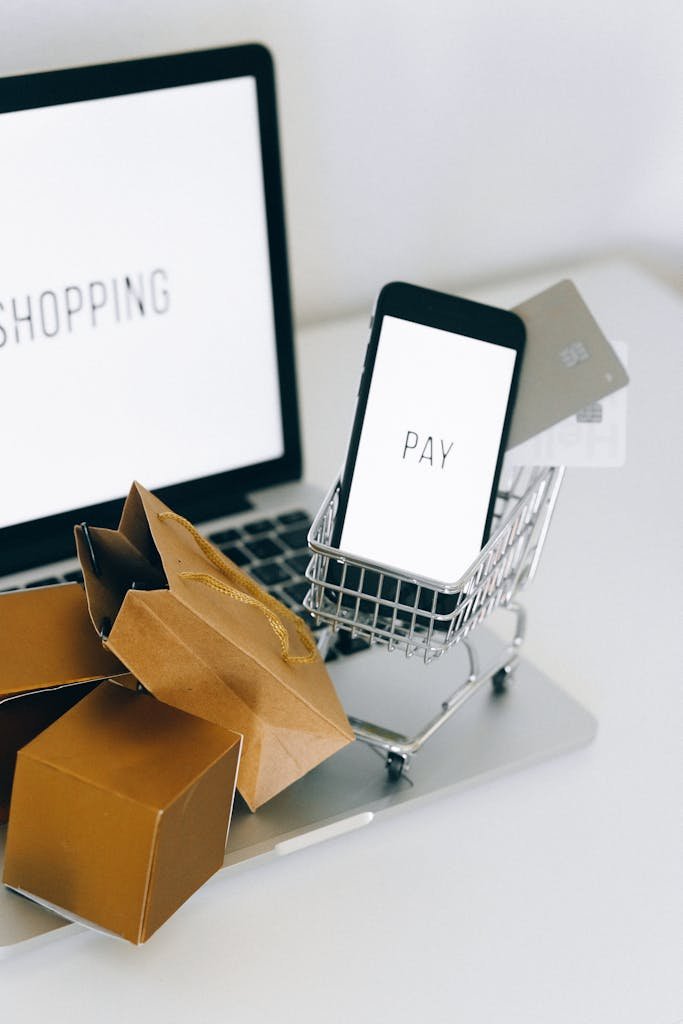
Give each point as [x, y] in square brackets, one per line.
[418, 616]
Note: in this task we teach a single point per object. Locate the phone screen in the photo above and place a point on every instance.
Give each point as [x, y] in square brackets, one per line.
[420, 496]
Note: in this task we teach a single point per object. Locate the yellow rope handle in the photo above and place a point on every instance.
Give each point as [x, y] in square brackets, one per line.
[249, 594]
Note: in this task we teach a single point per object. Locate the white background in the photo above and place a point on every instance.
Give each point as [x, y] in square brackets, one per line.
[427, 516]
[441, 142]
[120, 186]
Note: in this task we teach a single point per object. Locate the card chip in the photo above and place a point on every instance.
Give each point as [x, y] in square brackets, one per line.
[590, 413]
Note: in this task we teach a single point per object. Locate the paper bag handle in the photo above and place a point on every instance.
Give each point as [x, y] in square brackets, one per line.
[254, 596]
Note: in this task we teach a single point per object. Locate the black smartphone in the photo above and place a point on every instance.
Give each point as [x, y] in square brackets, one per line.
[434, 406]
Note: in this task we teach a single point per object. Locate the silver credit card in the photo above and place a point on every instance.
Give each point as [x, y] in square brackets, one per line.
[568, 362]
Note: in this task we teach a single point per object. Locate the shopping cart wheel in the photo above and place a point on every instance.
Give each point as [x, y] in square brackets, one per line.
[395, 764]
[499, 681]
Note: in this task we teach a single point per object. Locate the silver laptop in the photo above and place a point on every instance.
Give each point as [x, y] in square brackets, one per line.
[145, 333]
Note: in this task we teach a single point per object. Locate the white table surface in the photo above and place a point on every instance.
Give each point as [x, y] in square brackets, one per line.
[552, 896]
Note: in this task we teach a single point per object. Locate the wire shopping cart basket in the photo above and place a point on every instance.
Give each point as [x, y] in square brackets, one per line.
[423, 617]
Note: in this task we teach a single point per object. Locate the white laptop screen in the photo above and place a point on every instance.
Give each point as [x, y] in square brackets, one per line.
[137, 336]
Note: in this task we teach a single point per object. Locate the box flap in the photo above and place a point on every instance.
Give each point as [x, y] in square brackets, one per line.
[46, 640]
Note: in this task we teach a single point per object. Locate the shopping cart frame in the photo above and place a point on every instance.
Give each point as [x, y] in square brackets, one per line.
[419, 616]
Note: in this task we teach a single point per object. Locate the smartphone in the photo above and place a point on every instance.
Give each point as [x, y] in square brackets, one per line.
[434, 407]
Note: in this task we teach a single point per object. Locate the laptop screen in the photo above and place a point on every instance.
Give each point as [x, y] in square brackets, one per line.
[144, 318]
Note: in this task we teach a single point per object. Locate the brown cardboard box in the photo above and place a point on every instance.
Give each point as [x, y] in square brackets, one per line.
[202, 636]
[120, 811]
[49, 656]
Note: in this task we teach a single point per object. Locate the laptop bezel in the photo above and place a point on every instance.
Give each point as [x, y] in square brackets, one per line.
[50, 538]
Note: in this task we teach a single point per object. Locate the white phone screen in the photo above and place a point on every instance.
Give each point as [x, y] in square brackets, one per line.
[428, 450]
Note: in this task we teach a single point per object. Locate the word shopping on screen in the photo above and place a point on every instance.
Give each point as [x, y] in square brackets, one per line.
[83, 307]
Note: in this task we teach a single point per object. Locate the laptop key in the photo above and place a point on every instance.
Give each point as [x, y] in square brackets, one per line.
[297, 515]
[260, 526]
[295, 539]
[75, 576]
[297, 591]
[299, 563]
[290, 603]
[270, 573]
[224, 536]
[264, 547]
[235, 554]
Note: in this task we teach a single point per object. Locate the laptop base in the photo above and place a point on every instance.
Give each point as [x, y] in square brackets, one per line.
[488, 737]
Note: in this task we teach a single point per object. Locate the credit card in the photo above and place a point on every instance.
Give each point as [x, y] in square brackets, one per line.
[568, 362]
[593, 438]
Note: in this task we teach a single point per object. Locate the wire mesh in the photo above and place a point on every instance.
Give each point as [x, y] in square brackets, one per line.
[383, 605]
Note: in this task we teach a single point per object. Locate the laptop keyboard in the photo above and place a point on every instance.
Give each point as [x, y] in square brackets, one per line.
[274, 552]
[266, 548]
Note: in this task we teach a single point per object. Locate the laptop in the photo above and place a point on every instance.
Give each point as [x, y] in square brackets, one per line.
[146, 333]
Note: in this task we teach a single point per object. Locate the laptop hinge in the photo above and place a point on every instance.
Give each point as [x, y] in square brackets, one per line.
[57, 546]
[209, 508]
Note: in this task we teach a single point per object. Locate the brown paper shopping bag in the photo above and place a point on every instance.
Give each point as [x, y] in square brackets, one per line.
[202, 636]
